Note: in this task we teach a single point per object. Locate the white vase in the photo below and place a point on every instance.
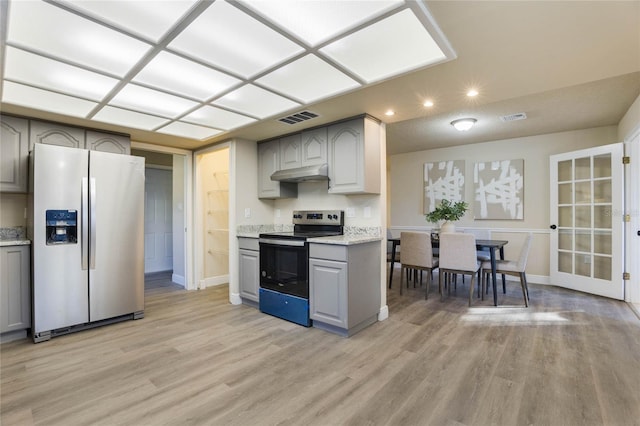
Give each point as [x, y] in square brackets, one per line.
[447, 227]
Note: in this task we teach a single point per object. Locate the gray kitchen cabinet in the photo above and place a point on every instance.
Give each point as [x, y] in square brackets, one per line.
[249, 273]
[14, 154]
[56, 134]
[344, 290]
[354, 156]
[290, 152]
[313, 147]
[15, 291]
[269, 163]
[108, 142]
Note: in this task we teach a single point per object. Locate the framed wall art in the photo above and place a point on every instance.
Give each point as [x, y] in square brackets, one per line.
[443, 180]
[499, 190]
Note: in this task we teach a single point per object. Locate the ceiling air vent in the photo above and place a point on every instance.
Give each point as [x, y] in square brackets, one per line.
[514, 117]
[298, 117]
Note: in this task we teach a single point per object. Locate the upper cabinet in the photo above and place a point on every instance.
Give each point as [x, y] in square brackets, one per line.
[107, 142]
[354, 157]
[290, 152]
[14, 154]
[269, 163]
[76, 137]
[56, 134]
[314, 147]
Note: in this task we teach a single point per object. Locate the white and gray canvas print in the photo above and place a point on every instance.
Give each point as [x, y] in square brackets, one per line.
[443, 180]
[499, 189]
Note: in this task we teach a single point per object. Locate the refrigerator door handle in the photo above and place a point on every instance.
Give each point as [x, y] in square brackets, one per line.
[85, 223]
[92, 221]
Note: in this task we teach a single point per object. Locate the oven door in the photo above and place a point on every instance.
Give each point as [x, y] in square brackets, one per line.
[284, 266]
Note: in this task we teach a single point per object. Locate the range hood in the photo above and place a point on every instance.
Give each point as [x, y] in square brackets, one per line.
[302, 174]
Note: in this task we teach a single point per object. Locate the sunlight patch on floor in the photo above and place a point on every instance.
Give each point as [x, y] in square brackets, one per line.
[515, 316]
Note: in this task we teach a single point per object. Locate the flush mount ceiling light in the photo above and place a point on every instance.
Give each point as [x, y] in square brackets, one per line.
[158, 66]
[463, 124]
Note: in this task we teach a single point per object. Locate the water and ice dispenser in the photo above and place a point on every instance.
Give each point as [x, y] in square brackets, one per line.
[62, 226]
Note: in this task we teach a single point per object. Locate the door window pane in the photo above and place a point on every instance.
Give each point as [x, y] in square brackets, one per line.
[583, 168]
[583, 192]
[602, 267]
[565, 262]
[565, 217]
[602, 242]
[583, 264]
[565, 239]
[602, 217]
[602, 191]
[565, 171]
[602, 166]
[583, 216]
[583, 241]
[565, 193]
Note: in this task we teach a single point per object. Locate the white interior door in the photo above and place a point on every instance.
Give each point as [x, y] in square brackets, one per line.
[587, 220]
[158, 228]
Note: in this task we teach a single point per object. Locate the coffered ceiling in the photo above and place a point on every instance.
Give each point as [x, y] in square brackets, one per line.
[191, 73]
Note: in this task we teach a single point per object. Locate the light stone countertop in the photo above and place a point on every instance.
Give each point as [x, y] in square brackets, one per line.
[352, 234]
[13, 236]
[345, 240]
[6, 243]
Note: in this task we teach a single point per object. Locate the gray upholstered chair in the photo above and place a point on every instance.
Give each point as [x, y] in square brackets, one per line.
[417, 254]
[514, 268]
[458, 256]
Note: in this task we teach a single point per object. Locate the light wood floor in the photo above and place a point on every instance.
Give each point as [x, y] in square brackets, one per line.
[570, 359]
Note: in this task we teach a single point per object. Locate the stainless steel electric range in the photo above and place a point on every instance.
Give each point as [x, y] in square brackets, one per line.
[284, 263]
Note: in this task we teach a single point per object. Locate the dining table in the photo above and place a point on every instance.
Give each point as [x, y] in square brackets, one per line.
[481, 245]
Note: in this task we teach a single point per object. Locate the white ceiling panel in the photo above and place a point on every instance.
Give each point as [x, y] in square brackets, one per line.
[142, 99]
[225, 37]
[34, 70]
[255, 101]
[219, 118]
[173, 73]
[128, 118]
[320, 20]
[187, 130]
[46, 28]
[150, 19]
[393, 46]
[26, 96]
[308, 79]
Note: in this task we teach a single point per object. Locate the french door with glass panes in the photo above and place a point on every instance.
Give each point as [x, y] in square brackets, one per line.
[586, 243]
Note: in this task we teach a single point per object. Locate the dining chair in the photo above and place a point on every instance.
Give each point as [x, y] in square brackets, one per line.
[417, 254]
[511, 267]
[458, 256]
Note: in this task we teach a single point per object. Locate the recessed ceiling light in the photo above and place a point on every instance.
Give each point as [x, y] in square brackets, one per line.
[463, 124]
[428, 104]
[472, 92]
[390, 112]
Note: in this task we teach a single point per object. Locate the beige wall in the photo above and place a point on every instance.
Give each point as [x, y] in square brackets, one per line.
[630, 121]
[406, 187]
[13, 209]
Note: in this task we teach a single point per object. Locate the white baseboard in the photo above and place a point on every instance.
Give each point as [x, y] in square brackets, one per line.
[178, 279]
[213, 281]
[383, 314]
[235, 299]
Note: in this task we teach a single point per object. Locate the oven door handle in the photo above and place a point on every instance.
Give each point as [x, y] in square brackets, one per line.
[295, 243]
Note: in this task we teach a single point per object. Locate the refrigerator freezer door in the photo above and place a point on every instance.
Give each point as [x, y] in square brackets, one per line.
[116, 273]
[60, 286]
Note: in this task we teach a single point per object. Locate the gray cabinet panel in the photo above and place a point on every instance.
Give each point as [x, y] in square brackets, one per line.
[268, 163]
[249, 262]
[106, 142]
[15, 291]
[290, 152]
[328, 292]
[14, 154]
[56, 134]
[314, 147]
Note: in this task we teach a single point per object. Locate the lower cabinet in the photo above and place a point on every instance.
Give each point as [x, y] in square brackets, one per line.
[344, 288]
[15, 291]
[249, 265]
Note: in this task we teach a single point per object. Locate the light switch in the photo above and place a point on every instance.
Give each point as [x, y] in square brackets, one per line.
[277, 212]
[247, 212]
[367, 212]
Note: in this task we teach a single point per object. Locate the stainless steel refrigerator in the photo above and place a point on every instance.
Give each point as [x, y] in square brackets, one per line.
[86, 223]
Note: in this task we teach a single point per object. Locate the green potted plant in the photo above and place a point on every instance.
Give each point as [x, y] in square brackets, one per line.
[448, 212]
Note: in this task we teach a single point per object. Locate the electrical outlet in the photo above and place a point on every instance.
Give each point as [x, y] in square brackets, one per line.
[351, 212]
[367, 212]
[247, 212]
[277, 212]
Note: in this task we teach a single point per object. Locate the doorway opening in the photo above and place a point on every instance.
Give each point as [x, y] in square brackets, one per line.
[212, 207]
